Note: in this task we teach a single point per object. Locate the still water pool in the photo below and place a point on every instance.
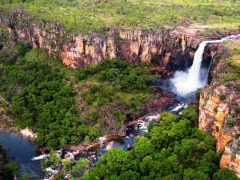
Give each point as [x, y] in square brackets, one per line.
[21, 152]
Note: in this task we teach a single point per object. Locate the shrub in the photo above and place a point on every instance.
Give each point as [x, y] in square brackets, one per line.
[224, 174]
[197, 94]
[223, 97]
[238, 110]
[230, 122]
[22, 48]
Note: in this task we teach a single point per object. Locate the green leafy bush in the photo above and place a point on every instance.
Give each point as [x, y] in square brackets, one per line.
[224, 174]
[238, 110]
[223, 96]
[230, 122]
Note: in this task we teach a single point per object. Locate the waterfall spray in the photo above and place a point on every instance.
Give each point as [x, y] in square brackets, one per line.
[189, 81]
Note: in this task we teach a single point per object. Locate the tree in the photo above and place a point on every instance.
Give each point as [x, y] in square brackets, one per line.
[209, 163]
[22, 48]
[180, 129]
[146, 165]
[80, 166]
[191, 113]
[113, 163]
[59, 176]
[11, 169]
[191, 174]
[54, 158]
[67, 164]
[142, 148]
[171, 177]
[224, 174]
[133, 175]
[25, 176]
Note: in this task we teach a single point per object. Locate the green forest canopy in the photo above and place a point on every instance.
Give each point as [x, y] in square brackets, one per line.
[44, 95]
[174, 148]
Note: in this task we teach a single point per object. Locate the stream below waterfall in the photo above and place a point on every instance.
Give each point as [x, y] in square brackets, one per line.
[21, 152]
[184, 84]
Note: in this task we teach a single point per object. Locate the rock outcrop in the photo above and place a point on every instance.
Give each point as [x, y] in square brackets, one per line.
[231, 156]
[170, 49]
[167, 47]
[219, 109]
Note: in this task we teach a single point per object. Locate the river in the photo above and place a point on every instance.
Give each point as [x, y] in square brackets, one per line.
[21, 152]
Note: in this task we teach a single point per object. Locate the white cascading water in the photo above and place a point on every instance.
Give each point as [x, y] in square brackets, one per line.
[189, 81]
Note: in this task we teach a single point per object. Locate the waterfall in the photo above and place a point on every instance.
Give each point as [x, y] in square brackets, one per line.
[185, 83]
[205, 78]
[193, 76]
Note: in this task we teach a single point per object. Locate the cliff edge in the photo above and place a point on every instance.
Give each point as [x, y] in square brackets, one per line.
[219, 107]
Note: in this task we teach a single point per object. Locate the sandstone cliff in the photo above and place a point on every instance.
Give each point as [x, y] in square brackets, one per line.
[170, 48]
[220, 105]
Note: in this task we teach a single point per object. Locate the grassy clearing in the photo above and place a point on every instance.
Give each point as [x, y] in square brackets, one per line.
[234, 60]
[92, 15]
[229, 68]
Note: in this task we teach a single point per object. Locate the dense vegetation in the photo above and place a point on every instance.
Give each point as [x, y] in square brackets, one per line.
[40, 99]
[174, 148]
[43, 98]
[95, 15]
[114, 85]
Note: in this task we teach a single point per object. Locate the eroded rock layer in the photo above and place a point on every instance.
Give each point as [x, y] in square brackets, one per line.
[167, 47]
[219, 108]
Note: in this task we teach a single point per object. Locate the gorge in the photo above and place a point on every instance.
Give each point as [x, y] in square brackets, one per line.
[167, 52]
[189, 72]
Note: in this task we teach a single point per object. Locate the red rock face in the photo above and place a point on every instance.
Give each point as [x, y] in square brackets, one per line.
[231, 157]
[225, 160]
[164, 100]
[168, 47]
[213, 117]
[223, 140]
[215, 112]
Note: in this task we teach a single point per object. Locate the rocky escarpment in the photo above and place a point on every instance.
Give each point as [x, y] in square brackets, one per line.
[167, 47]
[220, 106]
[170, 49]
